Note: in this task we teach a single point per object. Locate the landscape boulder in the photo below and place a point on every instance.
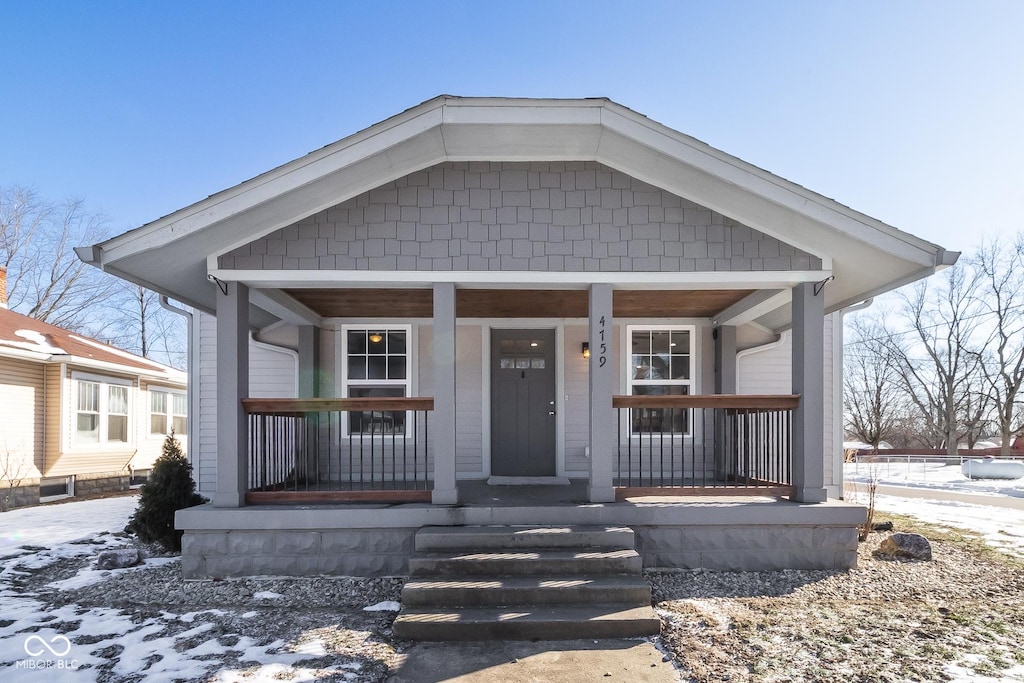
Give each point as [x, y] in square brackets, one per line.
[905, 546]
[118, 559]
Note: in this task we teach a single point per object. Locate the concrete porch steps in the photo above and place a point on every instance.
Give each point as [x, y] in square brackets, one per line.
[526, 590]
[519, 582]
[527, 623]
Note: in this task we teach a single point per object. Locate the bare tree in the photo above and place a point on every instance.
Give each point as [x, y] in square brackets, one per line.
[1001, 297]
[45, 279]
[935, 362]
[142, 326]
[873, 398]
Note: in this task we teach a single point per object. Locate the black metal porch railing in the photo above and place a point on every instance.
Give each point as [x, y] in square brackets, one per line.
[317, 450]
[710, 444]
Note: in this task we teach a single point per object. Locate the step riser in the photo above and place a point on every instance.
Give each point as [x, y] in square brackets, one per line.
[510, 630]
[450, 567]
[455, 597]
[487, 539]
[523, 583]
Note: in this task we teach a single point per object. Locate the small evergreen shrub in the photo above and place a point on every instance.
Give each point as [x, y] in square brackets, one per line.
[170, 488]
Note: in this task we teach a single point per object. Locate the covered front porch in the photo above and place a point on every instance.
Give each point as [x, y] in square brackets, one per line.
[326, 447]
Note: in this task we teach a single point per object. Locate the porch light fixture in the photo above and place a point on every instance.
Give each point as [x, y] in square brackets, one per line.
[586, 349]
[376, 337]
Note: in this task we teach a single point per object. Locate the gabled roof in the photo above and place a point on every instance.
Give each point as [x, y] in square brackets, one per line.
[31, 339]
[865, 256]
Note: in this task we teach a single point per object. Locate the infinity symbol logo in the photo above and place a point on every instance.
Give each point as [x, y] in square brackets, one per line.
[35, 646]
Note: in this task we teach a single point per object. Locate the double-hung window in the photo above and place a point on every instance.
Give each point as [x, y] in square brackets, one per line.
[167, 410]
[101, 411]
[661, 363]
[377, 363]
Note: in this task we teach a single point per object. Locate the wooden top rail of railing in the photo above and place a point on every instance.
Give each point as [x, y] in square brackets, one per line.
[730, 401]
[300, 406]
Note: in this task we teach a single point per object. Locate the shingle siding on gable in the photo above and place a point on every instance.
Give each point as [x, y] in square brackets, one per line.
[510, 216]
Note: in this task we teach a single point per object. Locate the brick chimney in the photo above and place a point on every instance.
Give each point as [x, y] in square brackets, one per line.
[3, 287]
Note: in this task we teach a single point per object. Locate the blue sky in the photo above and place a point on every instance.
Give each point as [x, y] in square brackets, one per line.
[909, 111]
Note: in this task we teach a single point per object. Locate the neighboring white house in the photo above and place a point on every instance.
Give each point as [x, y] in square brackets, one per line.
[78, 416]
[485, 291]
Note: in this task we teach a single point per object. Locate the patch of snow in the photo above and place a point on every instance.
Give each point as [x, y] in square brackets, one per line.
[89, 576]
[45, 525]
[1001, 527]
[266, 595]
[386, 606]
[928, 475]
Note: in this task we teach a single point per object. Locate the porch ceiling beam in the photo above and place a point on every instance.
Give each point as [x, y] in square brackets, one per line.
[752, 307]
[279, 304]
[294, 279]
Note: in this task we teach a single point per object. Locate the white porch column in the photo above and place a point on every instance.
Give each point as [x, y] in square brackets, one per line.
[232, 387]
[602, 388]
[809, 382]
[442, 428]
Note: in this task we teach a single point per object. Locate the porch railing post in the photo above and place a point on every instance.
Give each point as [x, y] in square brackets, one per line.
[602, 387]
[809, 382]
[443, 427]
[232, 387]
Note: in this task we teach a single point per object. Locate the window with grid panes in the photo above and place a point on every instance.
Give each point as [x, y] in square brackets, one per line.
[377, 364]
[661, 361]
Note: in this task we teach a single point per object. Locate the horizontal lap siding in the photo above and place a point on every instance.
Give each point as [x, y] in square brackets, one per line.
[22, 413]
[272, 374]
[577, 404]
[204, 463]
[469, 368]
[771, 372]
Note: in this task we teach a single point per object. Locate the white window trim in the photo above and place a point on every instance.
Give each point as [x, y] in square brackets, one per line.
[70, 483]
[150, 434]
[103, 444]
[411, 372]
[627, 372]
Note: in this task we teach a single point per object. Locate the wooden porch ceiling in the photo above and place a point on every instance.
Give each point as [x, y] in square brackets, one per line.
[514, 303]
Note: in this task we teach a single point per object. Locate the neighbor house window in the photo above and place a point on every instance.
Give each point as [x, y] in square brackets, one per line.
[167, 410]
[55, 488]
[377, 364]
[101, 411]
[661, 363]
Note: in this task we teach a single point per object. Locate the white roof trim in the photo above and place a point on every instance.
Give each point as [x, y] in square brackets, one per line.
[520, 279]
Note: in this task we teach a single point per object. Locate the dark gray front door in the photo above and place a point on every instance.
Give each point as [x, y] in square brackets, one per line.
[523, 403]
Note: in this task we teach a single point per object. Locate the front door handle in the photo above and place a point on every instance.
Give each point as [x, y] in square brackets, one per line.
[551, 412]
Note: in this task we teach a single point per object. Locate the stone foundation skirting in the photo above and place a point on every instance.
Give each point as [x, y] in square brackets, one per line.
[283, 552]
[357, 540]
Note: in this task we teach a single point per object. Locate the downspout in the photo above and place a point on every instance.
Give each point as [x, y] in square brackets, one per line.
[837, 387]
[192, 396]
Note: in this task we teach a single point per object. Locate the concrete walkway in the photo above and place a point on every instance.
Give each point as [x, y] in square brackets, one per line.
[571, 661]
[942, 494]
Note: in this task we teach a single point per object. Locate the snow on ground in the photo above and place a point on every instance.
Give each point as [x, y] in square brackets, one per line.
[1002, 527]
[933, 474]
[39, 640]
[50, 524]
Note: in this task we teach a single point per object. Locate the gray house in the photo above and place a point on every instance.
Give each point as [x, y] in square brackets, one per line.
[516, 312]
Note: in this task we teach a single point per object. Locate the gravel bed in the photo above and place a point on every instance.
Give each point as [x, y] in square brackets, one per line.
[960, 615]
